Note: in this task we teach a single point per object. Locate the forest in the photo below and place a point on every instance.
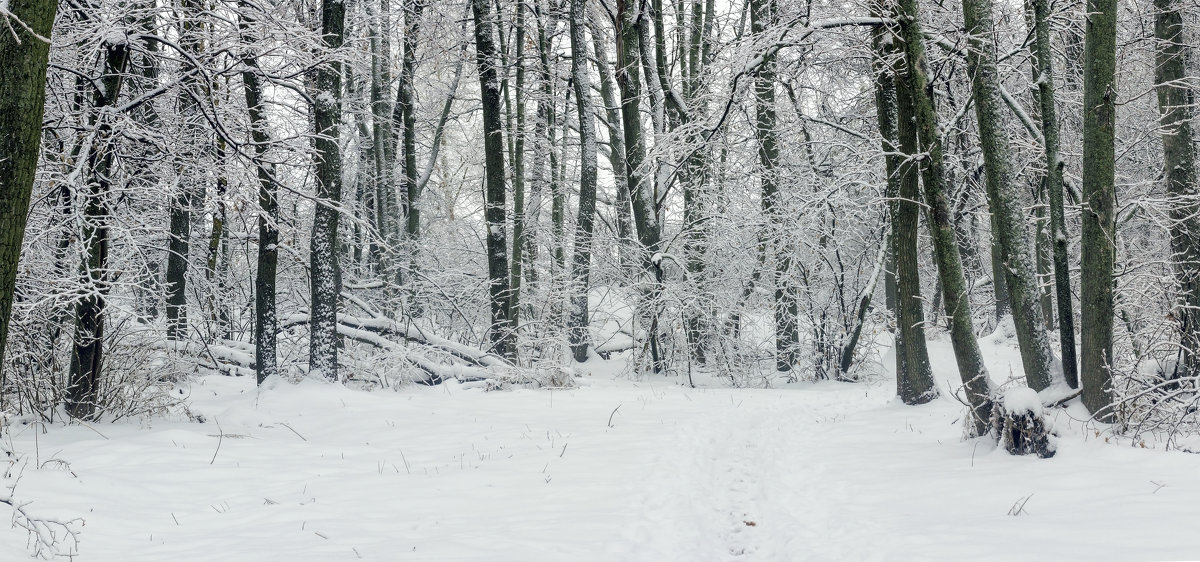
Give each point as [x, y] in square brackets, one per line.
[980, 214]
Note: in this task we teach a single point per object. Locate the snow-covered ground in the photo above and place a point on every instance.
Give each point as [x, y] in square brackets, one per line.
[612, 470]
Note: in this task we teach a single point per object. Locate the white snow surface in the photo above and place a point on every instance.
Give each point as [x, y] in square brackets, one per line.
[1022, 399]
[615, 469]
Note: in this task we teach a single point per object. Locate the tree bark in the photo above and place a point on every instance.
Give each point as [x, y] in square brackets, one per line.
[518, 140]
[22, 103]
[1175, 105]
[914, 376]
[919, 136]
[787, 333]
[1099, 200]
[1044, 78]
[645, 208]
[404, 104]
[578, 322]
[190, 189]
[87, 355]
[616, 152]
[325, 277]
[486, 57]
[265, 316]
[1004, 198]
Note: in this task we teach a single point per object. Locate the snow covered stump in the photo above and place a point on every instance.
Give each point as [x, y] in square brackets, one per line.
[1019, 423]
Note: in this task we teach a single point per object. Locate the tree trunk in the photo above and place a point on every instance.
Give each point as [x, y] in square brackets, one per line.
[190, 189]
[265, 317]
[787, 333]
[1099, 199]
[1175, 103]
[578, 323]
[487, 59]
[645, 208]
[517, 135]
[1004, 198]
[382, 189]
[87, 355]
[404, 104]
[22, 101]
[616, 152]
[914, 377]
[919, 134]
[325, 277]
[1044, 78]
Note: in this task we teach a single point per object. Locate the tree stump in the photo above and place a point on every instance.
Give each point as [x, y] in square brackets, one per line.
[1019, 423]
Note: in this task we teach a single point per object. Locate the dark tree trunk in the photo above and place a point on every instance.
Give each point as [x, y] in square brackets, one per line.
[919, 134]
[22, 99]
[325, 277]
[87, 356]
[914, 377]
[578, 323]
[616, 152]
[265, 317]
[189, 193]
[487, 59]
[1175, 103]
[404, 104]
[1004, 193]
[1099, 199]
[645, 208]
[517, 137]
[787, 333]
[1044, 78]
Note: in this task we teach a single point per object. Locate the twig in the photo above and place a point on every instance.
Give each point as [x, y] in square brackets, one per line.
[293, 431]
[610, 417]
[220, 439]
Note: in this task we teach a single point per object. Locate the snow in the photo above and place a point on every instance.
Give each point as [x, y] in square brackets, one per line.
[616, 469]
[1020, 400]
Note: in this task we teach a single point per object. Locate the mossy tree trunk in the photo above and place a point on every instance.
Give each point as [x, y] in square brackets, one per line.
[1004, 198]
[22, 102]
[919, 135]
[914, 377]
[1099, 200]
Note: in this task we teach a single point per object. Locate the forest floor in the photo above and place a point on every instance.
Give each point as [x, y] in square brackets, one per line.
[615, 469]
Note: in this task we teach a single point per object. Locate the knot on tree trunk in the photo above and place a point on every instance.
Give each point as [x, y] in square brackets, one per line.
[1019, 423]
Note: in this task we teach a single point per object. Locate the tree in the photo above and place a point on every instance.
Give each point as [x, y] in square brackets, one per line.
[919, 134]
[87, 356]
[645, 206]
[914, 376]
[578, 322]
[1175, 104]
[1053, 183]
[1016, 252]
[190, 191]
[325, 271]
[265, 316]
[24, 48]
[787, 333]
[1099, 200]
[487, 60]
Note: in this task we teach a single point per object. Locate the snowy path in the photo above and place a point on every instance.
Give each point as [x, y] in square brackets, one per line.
[614, 470]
